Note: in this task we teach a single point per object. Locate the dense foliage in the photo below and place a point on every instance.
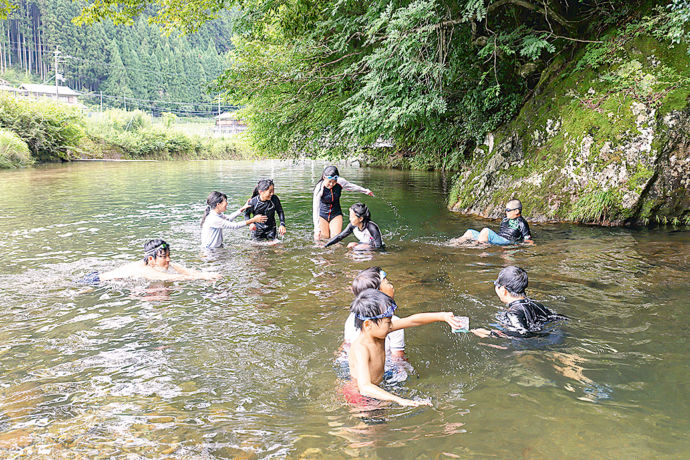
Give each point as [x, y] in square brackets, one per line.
[133, 65]
[14, 153]
[50, 129]
[430, 76]
[45, 130]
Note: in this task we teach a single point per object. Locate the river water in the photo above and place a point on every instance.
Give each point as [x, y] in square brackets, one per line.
[244, 367]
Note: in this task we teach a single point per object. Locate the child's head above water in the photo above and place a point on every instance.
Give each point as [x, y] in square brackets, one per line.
[372, 278]
[513, 209]
[264, 189]
[372, 305]
[513, 279]
[214, 199]
[359, 214]
[153, 249]
[329, 176]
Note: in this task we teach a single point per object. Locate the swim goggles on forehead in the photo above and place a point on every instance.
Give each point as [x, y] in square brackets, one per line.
[387, 314]
[332, 177]
[156, 249]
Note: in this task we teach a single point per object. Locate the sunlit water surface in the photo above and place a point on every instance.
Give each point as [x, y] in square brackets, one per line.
[244, 367]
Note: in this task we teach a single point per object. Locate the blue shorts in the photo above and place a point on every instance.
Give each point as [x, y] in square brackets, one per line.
[494, 238]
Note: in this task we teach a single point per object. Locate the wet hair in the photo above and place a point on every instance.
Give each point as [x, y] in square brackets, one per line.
[213, 200]
[367, 279]
[361, 210]
[370, 303]
[155, 248]
[327, 171]
[514, 279]
[264, 184]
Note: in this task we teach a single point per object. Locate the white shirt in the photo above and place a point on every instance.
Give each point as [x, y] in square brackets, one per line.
[394, 341]
[212, 230]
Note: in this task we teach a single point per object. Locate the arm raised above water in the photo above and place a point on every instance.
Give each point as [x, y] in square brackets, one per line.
[350, 187]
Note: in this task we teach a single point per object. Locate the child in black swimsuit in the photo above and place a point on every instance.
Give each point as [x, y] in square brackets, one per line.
[327, 214]
[265, 202]
[366, 231]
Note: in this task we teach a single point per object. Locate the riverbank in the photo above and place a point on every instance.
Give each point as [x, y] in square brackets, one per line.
[48, 131]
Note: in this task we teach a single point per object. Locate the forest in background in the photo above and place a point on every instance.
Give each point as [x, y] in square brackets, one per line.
[134, 64]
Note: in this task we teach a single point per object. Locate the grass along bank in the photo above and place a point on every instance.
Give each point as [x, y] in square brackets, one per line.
[52, 131]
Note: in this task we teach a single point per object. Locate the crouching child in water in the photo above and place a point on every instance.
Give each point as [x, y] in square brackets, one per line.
[366, 231]
[523, 317]
[373, 311]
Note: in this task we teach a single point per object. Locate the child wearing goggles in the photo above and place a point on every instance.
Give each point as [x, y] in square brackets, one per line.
[373, 311]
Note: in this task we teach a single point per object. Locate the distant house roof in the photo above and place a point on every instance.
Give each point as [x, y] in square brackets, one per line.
[226, 116]
[49, 89]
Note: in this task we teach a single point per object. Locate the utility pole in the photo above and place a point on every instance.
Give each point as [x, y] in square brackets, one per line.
[101, 100]
[218, 104]
[57, 75]
[124, 99]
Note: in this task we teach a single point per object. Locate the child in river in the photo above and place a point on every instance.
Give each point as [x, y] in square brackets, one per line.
[375, 278]
[264, 201]
[366, 231]
[327, 214]
[155, 266]
[523, 316]
[373, 311]
[214, 221]
[513, 230]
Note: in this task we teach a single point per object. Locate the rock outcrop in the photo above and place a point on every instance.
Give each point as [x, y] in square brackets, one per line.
[588, 148]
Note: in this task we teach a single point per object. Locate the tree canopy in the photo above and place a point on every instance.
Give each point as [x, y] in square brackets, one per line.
[433, 76]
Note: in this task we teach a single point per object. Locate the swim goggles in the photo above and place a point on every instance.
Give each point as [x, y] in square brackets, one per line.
[387, 314]
[514, 209]
[155, 250]
[332, 177]
[382, 275]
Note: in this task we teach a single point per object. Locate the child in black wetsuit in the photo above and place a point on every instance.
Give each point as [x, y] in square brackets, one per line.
[366, 231]
[265, 202]
[524, 316]
[513, 230]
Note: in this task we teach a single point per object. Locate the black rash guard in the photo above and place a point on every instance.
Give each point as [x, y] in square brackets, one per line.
[370, 235]
[268, 208]
[514, 230]
[525, 317]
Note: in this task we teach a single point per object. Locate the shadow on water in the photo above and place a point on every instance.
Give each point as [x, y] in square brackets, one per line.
[246, 366]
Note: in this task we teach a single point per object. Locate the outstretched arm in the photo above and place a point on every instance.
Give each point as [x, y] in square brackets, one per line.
[341, 235]
[350, 187]
[367, 388]
[190, 273]
[426, 318]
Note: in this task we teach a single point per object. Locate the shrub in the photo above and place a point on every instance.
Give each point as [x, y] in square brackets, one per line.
[52, 130]
[14, 153]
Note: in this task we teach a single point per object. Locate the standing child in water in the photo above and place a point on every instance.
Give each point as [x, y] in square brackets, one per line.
[374, 278]
[366, 231]
[214, 221]
[373, 311]
[265, 202]
[327, 214]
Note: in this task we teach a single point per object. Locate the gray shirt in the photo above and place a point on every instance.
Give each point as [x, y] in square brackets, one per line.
[212, 230]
